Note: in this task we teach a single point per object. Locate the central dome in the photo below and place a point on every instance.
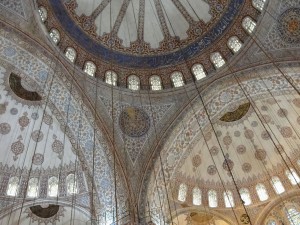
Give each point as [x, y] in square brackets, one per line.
[145, 34]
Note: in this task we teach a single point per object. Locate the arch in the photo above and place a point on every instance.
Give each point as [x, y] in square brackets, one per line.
[43, 13]
[217, 59]
[182, 192]
[90, 68]
[71, 54]
[198, 71]
[33, 188]
[262, 192]
[155, 83]
[228, 199]
[111, 77]
[13, 186]
[133, 82]
[234, 44]
[177, 79]
[245, 196]
[212, 199]
[259, 4]
[53, 187]
[54, 35]
[197, 196]
[71, 182]
[277, 185]
[248, 24]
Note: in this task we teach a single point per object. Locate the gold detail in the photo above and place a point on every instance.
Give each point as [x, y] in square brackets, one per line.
[237, 114]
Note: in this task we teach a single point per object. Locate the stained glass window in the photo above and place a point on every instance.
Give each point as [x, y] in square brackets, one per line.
[212, 198]
[245, 196]
[277, 185]
[249, 24]
[196, 196]
[259, 4]
[55, 36]
[43, 13]
[293, 216]
[228, 199]
[13, 186]
[261, 192]
[198, 71]
[33, 188]
[177, 79]
[292, 176]
[71, 184]
[111, 77]
[217, 59]
[71, 54]
[234, 44]
[89, 68]
[133, 82]
[53, 187]
[155, 83]
[182, 192]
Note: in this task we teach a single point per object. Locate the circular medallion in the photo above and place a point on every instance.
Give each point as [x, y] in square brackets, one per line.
[246, 167]
[286, 132]
[214, 150]
[260, 154]
[211, 170]
[289, 25]
[37, 135]
[241, 149]
[37, 159]
[134, 122]
[196, 160]
[4, 128]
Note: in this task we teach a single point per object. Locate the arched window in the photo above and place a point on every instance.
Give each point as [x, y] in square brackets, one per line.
[293, 215]
[196, 196]
[292, 176]
[33, 188]
[228, 199]
[271, 222]
[182, 192]
[71, 184]
[13, 186]
[212, 198]
[248, 24]
[53, 187]
[177, 79]
[217, 59]
[259, 4]
[133, 82]
[89, 68]
[198, 71]
[277, 185]
[155, 83]
[71, 54]
[245, 196]
[55, 36]
[43, 13]
[111, 77]
[261, 192]
[234, 44]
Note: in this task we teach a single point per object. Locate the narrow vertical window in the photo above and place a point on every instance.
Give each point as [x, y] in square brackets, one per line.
[13, 186]
[155, 83]
[259, 4]
[228, 199]
[212, 199]
[277, 185]
[245, 196]
[248, 24]
[177, 79]
[71, 184]
[182, 192]
[54, 35]
[111, 77]
[261, 192]
[89, 68]
[33, 188]
[133, 83]
[217, 59]
[234, 44]
[43, 13]
[71, 54]
[292, 176]
[198, 71]
[196, 196]
[53, 187]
